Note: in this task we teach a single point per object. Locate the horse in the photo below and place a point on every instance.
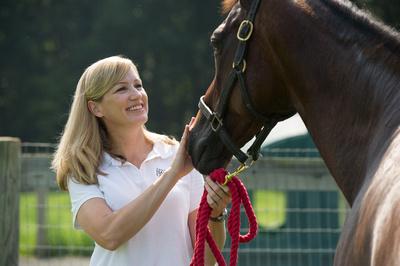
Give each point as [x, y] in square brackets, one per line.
[338, 67]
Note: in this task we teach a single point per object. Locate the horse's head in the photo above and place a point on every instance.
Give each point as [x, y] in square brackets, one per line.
[248, 92]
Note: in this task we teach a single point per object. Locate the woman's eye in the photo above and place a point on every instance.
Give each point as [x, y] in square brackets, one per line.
[139, 86]
[120, 89]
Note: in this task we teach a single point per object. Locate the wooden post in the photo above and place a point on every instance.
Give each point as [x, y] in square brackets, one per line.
[10, 161]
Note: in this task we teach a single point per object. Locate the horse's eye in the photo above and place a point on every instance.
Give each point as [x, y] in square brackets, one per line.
[215, 43]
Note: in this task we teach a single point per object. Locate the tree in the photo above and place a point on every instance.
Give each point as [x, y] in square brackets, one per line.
[387, 10]
[45, 46]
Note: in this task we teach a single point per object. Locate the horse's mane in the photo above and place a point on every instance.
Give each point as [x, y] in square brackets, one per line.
[364, 22]
[359, 18]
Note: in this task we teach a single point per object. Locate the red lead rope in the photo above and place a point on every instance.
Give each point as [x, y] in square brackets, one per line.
[239, 196]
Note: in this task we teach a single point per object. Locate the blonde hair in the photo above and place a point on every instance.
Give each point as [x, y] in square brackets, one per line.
[79, 152]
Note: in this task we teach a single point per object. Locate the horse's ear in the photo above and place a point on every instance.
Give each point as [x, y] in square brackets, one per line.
[245, 4]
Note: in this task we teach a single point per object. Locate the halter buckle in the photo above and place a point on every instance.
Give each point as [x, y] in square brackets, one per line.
[238, 170]
[242, 63]
[242, 26]
[215, 122]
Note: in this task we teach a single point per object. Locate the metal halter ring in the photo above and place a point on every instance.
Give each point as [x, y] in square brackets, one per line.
[216, 122]
[241, 27]
[234, 66]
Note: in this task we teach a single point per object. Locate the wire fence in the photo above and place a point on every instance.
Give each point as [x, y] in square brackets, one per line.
[46, 233]
[298, 207]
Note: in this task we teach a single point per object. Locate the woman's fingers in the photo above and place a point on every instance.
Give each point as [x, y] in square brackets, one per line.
[184, 140]
[191, 123]
[221, 190]
[186, 131]
[218, 195]
[214, 197]
[182, 163]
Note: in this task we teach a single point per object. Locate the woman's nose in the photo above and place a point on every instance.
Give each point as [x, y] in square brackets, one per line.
[133, 93]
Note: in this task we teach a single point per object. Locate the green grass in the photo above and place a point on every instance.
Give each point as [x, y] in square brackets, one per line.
[61, 239]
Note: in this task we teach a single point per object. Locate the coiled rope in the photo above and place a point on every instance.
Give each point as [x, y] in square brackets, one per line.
[239, 196]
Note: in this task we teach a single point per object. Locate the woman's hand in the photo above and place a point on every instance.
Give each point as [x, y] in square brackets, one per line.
[182, 163]
[218, 197]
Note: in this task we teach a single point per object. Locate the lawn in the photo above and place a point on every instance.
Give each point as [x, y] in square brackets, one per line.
[59, 237]
[281, 216]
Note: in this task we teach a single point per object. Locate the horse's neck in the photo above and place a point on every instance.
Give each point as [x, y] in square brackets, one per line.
[348, 99]
[370, 235]
[352, 118]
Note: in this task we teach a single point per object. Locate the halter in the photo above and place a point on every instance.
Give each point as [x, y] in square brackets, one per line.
[237, 74]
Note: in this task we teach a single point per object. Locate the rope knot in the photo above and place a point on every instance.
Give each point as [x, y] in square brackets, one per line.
[219, 175]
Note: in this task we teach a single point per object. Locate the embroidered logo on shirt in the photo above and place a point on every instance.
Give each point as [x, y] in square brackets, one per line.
[159, 171]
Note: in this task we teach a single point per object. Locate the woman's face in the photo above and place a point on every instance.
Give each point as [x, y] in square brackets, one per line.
[125, 104]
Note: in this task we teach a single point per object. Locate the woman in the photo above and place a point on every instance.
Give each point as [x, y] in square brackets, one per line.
[134, 192]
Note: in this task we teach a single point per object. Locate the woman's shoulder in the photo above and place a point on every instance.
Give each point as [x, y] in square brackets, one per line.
[79, 184]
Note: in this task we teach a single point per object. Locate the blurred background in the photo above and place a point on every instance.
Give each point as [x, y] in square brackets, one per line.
[45, 45]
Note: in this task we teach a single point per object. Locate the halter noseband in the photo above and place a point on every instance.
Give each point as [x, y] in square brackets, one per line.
[237, 74]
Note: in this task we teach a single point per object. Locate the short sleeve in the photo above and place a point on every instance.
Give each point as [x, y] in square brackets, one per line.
[79, 194]
[196, 190]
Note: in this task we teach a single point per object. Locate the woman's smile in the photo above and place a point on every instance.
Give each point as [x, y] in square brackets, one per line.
[136, 108]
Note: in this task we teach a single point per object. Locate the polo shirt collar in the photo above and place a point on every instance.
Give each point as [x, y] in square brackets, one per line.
[109, 160]
[160, 149]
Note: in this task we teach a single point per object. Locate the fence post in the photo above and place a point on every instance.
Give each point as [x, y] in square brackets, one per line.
[41, 241]
[10, 168]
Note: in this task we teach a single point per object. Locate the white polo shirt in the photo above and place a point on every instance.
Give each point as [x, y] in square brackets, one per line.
[165, 239]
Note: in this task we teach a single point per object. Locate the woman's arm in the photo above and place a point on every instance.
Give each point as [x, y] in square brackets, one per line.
[218, 198]
[219, 234]
[217, 231]
[192, 226]
[110, 229]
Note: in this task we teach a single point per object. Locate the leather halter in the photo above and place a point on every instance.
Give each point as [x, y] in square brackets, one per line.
[237, 74]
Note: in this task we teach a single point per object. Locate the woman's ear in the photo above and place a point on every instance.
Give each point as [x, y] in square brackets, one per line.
[95, 109]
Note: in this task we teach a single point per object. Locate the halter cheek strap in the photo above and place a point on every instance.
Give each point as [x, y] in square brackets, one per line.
[237, 75]
[218, 127]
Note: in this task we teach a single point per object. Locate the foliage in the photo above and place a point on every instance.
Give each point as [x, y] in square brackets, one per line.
[46, 44]
[387, 10]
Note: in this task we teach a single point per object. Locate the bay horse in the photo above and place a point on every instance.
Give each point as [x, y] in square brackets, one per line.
[337, 67]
